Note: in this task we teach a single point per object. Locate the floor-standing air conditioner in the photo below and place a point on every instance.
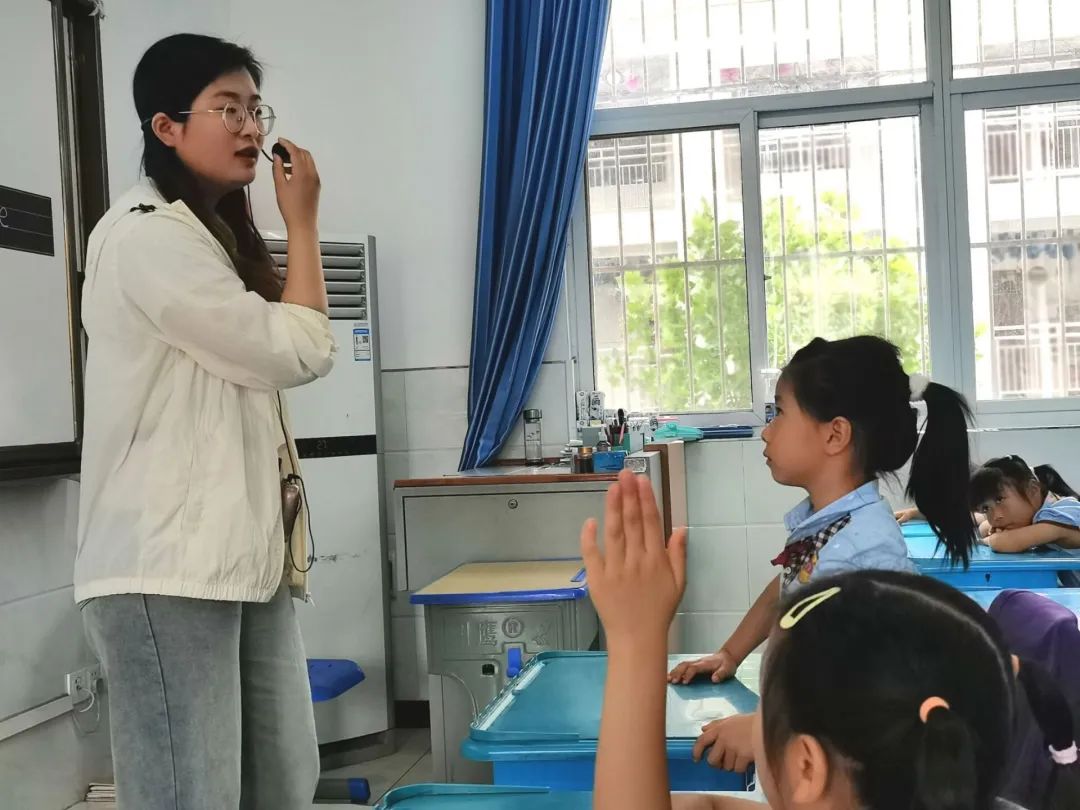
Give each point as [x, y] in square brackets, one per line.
[336, 423]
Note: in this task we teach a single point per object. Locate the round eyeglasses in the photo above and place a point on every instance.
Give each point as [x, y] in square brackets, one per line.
[234, 116]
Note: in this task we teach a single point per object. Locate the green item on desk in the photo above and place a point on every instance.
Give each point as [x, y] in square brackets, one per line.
[673, 430]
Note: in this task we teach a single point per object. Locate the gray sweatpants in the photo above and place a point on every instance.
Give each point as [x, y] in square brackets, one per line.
[210, 706]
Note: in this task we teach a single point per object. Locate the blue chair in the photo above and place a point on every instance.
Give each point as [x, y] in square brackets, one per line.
[1044, 630]
[331, 677]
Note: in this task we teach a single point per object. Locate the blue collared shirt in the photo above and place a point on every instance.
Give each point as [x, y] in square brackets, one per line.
[1063, 511]
[871, 539]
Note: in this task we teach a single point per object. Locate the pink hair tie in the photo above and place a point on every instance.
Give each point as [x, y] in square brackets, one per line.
[929, 705]
[1066, 756]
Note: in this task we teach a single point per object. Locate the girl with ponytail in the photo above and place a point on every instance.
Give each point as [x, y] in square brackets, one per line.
[1024, 507]
[845, 417]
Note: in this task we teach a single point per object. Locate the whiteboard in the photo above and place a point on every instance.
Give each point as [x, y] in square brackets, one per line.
[36, 396]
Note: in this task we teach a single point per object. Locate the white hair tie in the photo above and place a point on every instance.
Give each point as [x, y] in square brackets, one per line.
[918, 383]
[1066, 756]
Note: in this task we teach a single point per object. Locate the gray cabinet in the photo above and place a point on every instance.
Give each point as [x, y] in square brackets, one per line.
[442, 527]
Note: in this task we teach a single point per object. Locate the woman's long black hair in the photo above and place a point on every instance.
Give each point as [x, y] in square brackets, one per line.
[170, 75]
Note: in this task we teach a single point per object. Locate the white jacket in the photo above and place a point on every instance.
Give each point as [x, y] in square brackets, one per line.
[180, 490]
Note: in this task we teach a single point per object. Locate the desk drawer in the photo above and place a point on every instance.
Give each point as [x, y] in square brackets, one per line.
[440, 532]
[1026, 580]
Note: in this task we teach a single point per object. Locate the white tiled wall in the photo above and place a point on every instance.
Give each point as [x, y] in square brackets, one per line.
[50, 766]
[395, 431]
[735, 512]
[736, 521]
[715, 497]
[41, 640]
[718, 552]
[702, 632]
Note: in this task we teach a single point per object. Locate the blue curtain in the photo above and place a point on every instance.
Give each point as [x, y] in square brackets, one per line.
[543, 62]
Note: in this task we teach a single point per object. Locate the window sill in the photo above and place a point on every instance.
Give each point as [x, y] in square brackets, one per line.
[1030, 414]
[700, 420]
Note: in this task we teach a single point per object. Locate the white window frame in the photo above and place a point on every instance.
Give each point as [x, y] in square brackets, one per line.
[940, 103]
[997, 413]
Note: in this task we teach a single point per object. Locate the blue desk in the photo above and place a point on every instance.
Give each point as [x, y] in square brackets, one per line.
[491, 797]
[1036, 569]
[1066, 597]
[542, 731]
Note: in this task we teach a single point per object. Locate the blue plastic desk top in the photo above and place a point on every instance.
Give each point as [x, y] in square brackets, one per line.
[472, 797]
[916, 528]
[924, 552]
[1067, 597]
[552, 710]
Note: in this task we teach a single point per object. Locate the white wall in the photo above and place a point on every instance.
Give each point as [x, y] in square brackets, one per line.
[41, 640]
[388, 97]
[736, 516]
[129, 28]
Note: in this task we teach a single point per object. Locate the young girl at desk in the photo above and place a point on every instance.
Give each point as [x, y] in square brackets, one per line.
[844, 417]
[1024, 507]
[879, 690]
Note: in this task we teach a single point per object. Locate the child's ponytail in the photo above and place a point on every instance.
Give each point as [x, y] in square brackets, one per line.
[940, 469]
[1053, 483]
[946, 771]
[862, 380]
[906, 682]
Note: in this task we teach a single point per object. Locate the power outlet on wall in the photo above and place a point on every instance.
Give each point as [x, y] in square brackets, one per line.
[81, 683]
